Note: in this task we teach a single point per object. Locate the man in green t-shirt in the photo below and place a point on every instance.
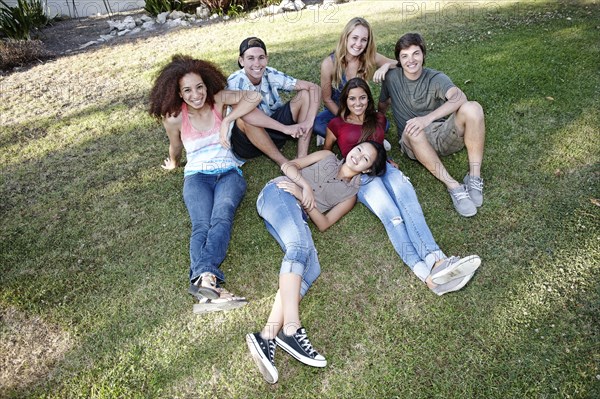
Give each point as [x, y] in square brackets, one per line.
[434, 119]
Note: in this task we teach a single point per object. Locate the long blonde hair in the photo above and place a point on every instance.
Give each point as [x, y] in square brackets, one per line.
[366, 59]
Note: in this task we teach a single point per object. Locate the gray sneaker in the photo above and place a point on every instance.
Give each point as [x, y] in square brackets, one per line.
[452, 286]
[462, 202]
[225, 301]
[205, 286]
[474, 186]
[455, 267]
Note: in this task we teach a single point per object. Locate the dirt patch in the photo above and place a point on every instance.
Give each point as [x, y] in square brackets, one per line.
[68, 35]
[29, 347]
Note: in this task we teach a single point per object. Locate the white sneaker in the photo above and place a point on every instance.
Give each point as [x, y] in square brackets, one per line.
[387, 145]
[320, 141]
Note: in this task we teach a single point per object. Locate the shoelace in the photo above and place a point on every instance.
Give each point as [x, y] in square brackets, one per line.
[271, 345]
[476, 184]
[305, 343]
[460, 195]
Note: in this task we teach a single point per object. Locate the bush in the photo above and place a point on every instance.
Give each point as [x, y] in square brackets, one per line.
[224, 6]
[155, 7]
[18, 22]
[21, 52]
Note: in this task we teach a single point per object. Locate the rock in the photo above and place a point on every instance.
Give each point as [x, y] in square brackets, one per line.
[215, 15]
[287, 5]
[113, 24]
[203, 12]
[106, 38]
[299, 4]
[138, 21]
[184, 23]
[173, 23]
[225, 17]
[148, 25]
[134, 31]
[162, 17]
[129, 22]
[123, 32]
[177, 15]
[88, 44]
[146, 18]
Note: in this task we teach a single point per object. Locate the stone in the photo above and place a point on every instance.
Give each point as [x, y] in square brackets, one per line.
[215, 15]
[148, 25]
[134, 31]
[113, 24]
[162, 17]
[146, 18]
[123, 32]
[173, 23]
[106, 38]
[88, 44]
[203, 12]
[177, 15]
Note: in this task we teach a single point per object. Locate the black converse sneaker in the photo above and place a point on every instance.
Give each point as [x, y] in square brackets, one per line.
[299, 346]
[263, 353]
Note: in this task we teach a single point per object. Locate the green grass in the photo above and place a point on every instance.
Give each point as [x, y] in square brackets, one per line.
[94, 236]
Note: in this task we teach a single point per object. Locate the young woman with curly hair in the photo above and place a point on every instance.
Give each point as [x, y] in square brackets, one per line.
[188, 96]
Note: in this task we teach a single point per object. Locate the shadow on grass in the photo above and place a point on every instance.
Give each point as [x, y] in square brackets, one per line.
[124, 298]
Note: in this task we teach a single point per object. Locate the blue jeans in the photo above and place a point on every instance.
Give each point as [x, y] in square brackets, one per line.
[211, 201]
[284, 219]
[393, 200]
[321, 121]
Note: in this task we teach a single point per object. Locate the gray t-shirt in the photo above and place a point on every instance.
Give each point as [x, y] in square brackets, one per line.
[413, 98]
[327, 188]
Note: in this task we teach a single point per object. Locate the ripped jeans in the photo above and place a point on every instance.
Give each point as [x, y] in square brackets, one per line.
[284, 219]
[393, 200]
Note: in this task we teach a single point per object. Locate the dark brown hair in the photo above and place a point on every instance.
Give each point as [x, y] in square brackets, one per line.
[370, 122]
[164, 96]
[410, 39]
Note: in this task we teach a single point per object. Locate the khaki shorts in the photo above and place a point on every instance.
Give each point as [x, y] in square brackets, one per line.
[442, 137]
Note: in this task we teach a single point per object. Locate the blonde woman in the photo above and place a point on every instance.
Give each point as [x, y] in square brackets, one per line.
[355, 56]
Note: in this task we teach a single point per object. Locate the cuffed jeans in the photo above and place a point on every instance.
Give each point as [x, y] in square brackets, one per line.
[211, 201]
[393, 200]
[284, 219]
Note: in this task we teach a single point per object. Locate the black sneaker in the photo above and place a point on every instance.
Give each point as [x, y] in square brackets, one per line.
[299, 346]
[263, 353]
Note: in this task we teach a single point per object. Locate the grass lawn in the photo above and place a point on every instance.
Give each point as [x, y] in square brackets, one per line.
[94, 234]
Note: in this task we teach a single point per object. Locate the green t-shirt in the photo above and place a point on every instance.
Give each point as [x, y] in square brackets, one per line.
[413, 98]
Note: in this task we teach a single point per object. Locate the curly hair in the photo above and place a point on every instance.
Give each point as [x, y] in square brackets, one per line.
[367, 57]
[164, 96]
[370, 122]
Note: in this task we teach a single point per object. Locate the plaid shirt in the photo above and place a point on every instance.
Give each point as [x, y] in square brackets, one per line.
[272, 81]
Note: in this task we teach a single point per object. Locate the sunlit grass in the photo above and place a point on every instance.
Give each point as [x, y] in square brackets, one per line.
[94, 237]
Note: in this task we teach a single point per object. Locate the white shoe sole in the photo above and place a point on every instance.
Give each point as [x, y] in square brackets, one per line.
[201, 308]
[462, 268]
[458, 287]
[267, 370]
[302, 359]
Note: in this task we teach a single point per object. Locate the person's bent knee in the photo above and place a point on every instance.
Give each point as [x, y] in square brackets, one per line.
[472, 110]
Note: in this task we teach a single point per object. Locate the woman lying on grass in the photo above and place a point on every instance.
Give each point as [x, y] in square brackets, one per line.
[322, 188]
[392, 197]
[188, 97]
